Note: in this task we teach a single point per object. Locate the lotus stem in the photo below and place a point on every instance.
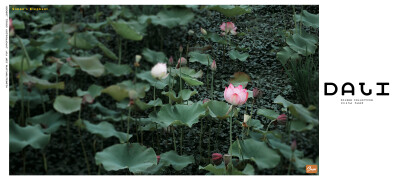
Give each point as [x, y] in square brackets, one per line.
[41, 99]
[180, 72]
[201, 134]
[230, 131]
[119, 50]
[23, 161]
[83, 147]
[44, 161]
[181, 139]
[56, 83]
[97, 14]
[270, 124]
[208, 66]
[212, 85]
[62, 21]
[128, 126]
[173, 135]
[290, 164]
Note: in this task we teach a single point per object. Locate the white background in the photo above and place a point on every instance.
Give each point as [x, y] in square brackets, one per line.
[359, 42]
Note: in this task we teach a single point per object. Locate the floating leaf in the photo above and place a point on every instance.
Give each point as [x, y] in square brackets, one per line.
[135, 157]
[230, 10]
[15, 63]
[297, 110]
[218, 109]
[90, 65]
[125, 30]
[178, 162]
[170, 18]
[234, 54]
[204, 59]
[106, 130]
[160, 84]
[190, 80]
[259, 152]
[180, 114]
[240, 78]
[308, 19]
[117, 70]
[49, 121]
[268, 113]
[67, 105]
[20, 137]
[153, 56]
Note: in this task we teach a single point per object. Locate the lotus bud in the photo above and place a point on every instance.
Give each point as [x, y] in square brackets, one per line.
[29, 84]
[158, 159]
[87, 98]
[227, 159]
[205, 100]
[138, 58]
[180, 49]
[12, 32]
[133, 94]
[159, 71]
[213, 66]
[255, 92]
[246, 118]
[293, 146]
[190, 32]
[282, 118]
[181, 61]
[203, 31]
[170, 61]
[217, 158]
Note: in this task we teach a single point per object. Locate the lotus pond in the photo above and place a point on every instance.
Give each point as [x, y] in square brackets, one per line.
[163, 90]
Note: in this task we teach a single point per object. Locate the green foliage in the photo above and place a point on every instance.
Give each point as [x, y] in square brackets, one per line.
[180, 114]
[235, 55]
[240, 78]
[67, 105]
[231, 10]
[178, 162]
[117, 70]
[218, 109]
[153, 56]
[90, 64]
[307, 19]
[126, 30]
[106, 130]
[49, 121]
[20, 137]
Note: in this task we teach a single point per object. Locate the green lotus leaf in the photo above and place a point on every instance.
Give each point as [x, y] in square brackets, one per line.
[153, 56]
[187, 71]
[96, 26]
[106, 130]
[127, 31]
[178, 162]
[117, 70]
[300, 126]
[83, 40]
[304, 44]
[107, 51]
[93, 90]
[160, 84]
[190, 80]
[203, 59]
[20, 137]
[54, 42]
[240, 78]
[297, 110]
[18, 25]
[285, 54]
[40, 83]
[169, 18]
[180, 114]
[14, 98]
[216, 170]
[103, 110]
[182, 95]
[268, 113]
[28, 66]
[68, 28]
[308, 19]
[49, 121]
[64, 8]
[43, 18]
[218, 109]
[90, 65]
[230, 10]
[49, 72]
[67, 105]
[140, 88]
[248, 170]
[215, 37]
[117, 92]
[286, 151]
[234, 54]
[259, 152]
[34, 97]
[135, 157]
[256, 124]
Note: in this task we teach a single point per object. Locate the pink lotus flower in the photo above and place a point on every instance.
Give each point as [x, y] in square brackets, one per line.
[159, 71]
[170, 61]
[205, 100]
[217, 158]
[87, 99]
[282, 118]
[214, 66]
[181, 61]
[236, 96]
[228, 27]
[11, 27]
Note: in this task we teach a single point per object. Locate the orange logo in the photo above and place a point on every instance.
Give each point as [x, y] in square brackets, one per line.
[311, 168]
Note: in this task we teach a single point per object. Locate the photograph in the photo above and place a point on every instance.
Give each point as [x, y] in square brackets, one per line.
[163, 89]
